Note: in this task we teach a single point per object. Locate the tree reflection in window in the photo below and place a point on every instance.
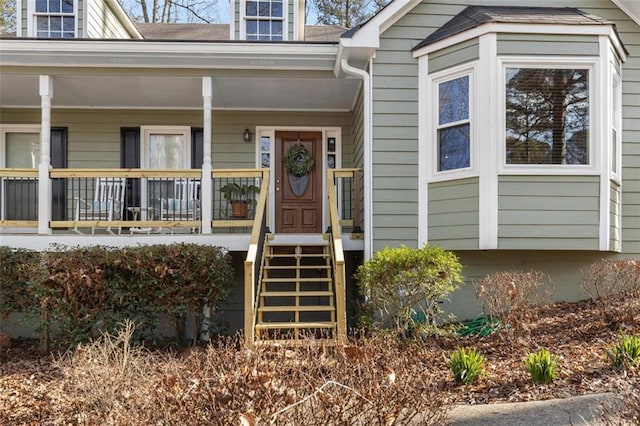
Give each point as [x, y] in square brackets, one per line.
[547, 116]
[454, 127]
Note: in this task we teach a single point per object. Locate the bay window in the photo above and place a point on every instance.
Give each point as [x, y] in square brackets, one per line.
[547, 113]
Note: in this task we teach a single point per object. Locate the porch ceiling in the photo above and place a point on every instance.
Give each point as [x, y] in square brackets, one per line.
[318, 92]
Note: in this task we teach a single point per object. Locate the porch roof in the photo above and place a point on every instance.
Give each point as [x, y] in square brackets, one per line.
[167, 74]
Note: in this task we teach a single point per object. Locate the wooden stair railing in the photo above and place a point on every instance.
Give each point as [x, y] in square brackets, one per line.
[297, 297]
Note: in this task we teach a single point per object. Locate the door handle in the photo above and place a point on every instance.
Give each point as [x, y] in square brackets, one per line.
[278, 181]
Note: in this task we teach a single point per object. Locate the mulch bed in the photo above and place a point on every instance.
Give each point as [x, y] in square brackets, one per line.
[31, 388]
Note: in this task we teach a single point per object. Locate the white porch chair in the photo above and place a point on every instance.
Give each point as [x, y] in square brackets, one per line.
[185, 203]
[107, 204]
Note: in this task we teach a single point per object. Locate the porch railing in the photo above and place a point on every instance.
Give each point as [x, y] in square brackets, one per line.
[343, 210]
[135, 200]
[253, 262]
[347, 186]
[18, 198]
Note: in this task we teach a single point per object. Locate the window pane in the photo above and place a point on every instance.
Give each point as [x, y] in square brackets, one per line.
[453, 100]
[166, 151]
[547, 116]
[54, 6]
[67, 6]
[56, 23]
[252, 26]
[263, 9]
[41, 6]
[68, 24]
[276, 9]
[276, 27]
[252, 8]
[266, 143]
[265, 27]
[42, 23]
[23, 150]
[453, 147]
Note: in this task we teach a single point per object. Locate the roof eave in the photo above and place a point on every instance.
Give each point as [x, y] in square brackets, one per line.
[494, 27]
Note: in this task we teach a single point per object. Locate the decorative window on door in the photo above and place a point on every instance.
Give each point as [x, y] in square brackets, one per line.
[264, 20]
[265, 151]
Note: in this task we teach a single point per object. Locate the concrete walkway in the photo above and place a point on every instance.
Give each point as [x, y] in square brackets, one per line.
[576, 411]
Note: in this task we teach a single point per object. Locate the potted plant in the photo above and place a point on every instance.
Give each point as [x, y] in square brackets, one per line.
[299, 164]
[240, 197]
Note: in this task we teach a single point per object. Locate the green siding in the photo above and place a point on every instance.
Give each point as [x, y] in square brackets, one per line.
[547, 44]
[25, 20]
[453, 214]
[395, 131]
[395, 115]
[80, 17]
[614, 218]
[94, 135]
[103, 23]
[290, 29]
[565, 214]
[454, 55]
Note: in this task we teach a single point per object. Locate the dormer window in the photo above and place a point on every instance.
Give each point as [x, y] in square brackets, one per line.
[264, 20]
[55, 19]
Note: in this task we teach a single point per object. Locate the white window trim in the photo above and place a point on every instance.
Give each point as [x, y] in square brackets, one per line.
[14, 128]
[327, 132]
[146, 131]
[591, 64]
[433, 174]
[616, 122]
[31, 21]
[285, 20]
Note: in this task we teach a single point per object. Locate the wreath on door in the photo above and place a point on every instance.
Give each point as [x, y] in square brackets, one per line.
[299, 164]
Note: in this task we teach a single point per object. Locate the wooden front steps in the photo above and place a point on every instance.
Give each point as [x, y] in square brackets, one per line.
[296, 293]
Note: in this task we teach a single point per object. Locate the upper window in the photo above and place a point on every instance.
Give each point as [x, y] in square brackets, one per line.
[547, 116]
[55, 19]
[264, 20]
[454, 125]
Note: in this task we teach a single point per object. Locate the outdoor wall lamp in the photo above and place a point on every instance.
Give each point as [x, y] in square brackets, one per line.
[246, 136]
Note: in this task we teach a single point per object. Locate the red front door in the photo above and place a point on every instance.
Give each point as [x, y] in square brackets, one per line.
[299, 200]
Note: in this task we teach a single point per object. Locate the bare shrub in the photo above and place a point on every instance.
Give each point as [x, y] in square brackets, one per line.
[508, 295]
[378, 381]
[607, 281]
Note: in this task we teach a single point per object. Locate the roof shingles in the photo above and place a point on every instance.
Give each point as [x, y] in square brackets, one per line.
[474, 16]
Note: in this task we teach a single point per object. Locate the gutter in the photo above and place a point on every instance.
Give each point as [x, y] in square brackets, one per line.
[368, 153]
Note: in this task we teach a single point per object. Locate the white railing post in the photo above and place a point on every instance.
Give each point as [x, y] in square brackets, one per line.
[206, 197]
[44, 182]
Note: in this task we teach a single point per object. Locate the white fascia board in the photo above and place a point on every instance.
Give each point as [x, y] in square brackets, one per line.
[122, 54]
[369, 34]
[630, 7]
[123, 18]
[524, 29]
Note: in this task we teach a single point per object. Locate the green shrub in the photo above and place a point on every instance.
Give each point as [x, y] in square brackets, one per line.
[626, 352]
[85, 290]
[14, 280]
[397, 281]
[541, 366]
[466, 365]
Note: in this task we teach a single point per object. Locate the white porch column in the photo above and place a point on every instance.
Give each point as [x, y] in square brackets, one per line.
[44, 183]
[206, 197]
